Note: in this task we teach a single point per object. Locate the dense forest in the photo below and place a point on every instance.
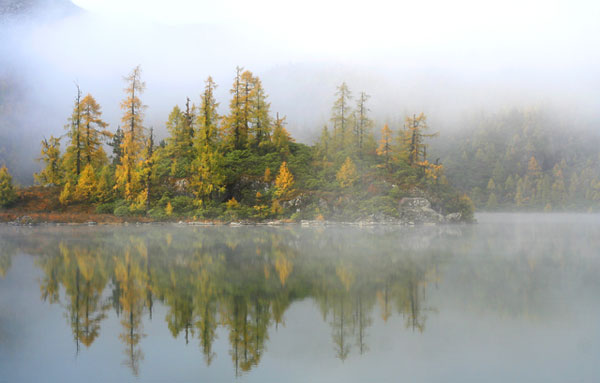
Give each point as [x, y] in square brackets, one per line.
[524, 160]
[242, 165]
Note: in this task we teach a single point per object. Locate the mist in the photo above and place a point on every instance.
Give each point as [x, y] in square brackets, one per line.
[441, 59]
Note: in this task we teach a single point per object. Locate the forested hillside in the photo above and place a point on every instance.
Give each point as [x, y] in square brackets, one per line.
[242, 165]
[525, 160]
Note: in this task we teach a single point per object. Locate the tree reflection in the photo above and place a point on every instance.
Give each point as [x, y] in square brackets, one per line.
[240, 280]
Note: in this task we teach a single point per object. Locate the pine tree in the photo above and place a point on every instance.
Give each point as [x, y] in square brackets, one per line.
[284, 182]
[347, 175]
[127, 180]
[117, 146]
[52, 174]
[7, 190]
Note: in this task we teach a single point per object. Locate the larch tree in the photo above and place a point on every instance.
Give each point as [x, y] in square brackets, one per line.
[363, 124]
[93, 132]
[414, 139]
[208, 117]
[52, 174]
[85, 189]
[133, 135]
[284, 182]
[385, 145]
[73, 156]
[261, 120]
[178, 148]
[234, 123]
[341, 116]
[207, 176]
[281, 137]
[347, 175]
[7, 190]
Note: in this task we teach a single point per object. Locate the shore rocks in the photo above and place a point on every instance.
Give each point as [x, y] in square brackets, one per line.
[418, 211]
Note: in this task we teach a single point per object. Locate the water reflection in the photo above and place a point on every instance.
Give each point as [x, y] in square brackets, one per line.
[243, 280]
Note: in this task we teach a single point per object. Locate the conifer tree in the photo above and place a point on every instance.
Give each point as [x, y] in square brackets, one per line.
[234, 122]
[414, 139]
[117, 146]
[284, 182]
[281, 137]
[261, 120]
[347, 175]
[52, 174]
[73, 156]
[363, 124]
[7, 190]
[341, 116]
[208, 118]
[127, 180]
[86, 185]
[385, 145]
[93, 131]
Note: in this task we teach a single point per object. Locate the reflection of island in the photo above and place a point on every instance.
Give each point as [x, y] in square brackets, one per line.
[244, 281]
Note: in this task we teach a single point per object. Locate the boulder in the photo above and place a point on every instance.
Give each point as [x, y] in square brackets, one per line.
[419, 211]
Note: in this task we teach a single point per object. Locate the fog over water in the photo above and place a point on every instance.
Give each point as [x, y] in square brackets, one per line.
[513, 298]
[445, 59]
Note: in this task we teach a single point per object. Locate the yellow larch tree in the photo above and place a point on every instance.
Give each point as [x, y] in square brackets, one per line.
[385, 145]
[347, 175]
[284, 182]
[127, 179]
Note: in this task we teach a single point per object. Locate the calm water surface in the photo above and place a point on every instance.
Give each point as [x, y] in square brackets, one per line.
[515, 298]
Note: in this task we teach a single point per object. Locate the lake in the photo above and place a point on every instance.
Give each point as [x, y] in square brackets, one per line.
[515, 297]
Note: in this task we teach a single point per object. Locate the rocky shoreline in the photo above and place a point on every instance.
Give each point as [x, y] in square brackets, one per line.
[412, 212]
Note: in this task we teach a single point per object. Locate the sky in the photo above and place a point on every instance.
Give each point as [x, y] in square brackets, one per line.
[443, 58]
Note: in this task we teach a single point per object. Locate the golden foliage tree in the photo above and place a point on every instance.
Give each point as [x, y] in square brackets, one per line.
[93, 131]
[284, 182]
[7, 189]
[52, 174]
[127, 180]
[414, 139]
[347, 175]
[86, 185]
[385, 145]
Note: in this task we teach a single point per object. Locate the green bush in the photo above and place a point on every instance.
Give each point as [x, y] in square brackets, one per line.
[105, 208]
[122, 211]
[157, 213]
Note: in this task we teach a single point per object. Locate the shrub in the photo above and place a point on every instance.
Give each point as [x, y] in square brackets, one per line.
[105, 208]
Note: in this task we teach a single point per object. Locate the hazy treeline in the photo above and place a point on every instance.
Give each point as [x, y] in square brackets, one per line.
[524, 159]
